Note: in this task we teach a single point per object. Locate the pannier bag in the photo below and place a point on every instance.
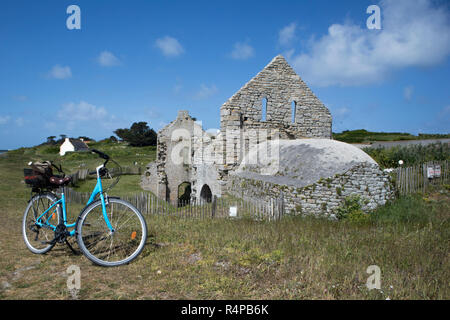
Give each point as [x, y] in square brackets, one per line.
[39, 174]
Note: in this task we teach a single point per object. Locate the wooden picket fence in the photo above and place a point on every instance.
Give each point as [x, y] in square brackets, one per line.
[221, 207]
[417, 178]
[407, 180]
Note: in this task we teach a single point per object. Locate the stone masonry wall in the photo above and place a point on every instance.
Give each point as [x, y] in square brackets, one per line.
[324, 196]
[173, 158]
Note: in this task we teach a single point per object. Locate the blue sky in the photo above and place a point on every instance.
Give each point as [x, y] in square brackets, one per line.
[145, 60]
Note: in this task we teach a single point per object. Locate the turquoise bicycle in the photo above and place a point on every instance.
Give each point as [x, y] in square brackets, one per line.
[109, 231]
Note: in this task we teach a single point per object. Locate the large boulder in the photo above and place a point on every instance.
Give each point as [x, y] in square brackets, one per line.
[301, 162]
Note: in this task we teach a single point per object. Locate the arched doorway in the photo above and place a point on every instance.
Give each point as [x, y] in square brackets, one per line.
[206, 194]
[184, 193]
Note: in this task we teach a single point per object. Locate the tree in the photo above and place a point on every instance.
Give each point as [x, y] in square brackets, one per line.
[51, 140]
[85, 138]
[139, 135]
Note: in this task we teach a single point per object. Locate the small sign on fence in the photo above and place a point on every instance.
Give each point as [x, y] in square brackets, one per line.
[430, 172]
[434, 171]
[233, 211]
[437, 170]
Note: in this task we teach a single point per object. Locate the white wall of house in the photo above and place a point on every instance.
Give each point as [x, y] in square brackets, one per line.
[67, 146]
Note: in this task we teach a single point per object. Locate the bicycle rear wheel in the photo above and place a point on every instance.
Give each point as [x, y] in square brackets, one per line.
[111, 248]
[38, 229]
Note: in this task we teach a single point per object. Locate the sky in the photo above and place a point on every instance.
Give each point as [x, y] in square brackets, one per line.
[134, 60]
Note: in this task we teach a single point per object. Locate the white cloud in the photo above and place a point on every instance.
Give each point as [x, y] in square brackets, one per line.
[108, 59]
[170, 47]
[4, 119]
[60, 72]
[17, 121]
[83, 117]
[82, 111]
[242, 51]
[206, 91]
[414, 33]
[408, 92]
[287, 34]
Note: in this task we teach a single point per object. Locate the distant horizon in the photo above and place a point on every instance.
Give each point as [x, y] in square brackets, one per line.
[416, 135]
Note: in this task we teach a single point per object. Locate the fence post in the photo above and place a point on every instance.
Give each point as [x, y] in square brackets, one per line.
[272, 208]
[213, 206]
[282, 206]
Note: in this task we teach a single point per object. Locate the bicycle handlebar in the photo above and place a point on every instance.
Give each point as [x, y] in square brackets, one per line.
[103, 171]
[101, 154]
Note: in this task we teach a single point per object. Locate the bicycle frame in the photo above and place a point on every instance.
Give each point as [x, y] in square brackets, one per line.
[98, 189]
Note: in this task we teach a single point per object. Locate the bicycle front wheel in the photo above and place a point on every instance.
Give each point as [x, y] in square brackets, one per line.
[115, 247]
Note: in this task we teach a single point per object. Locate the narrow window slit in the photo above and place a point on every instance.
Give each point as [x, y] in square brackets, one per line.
[264, 109]
[294, 111]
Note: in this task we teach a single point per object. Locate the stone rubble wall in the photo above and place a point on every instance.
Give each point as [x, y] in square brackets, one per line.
[323, 197]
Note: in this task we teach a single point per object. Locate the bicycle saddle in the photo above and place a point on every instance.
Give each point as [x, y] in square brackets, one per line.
[60, 181]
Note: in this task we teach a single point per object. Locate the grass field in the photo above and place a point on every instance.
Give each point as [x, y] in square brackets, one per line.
[363, 136]
[295, 258]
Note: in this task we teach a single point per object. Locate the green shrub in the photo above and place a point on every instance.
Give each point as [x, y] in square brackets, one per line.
[351, 210]
[411, 155]
[358, 216]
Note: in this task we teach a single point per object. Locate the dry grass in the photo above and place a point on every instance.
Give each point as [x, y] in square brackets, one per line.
[296, 258]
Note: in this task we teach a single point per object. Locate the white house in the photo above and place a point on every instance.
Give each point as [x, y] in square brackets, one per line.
[71, 145]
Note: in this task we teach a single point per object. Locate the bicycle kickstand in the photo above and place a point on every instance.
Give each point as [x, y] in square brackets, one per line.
[71, 248]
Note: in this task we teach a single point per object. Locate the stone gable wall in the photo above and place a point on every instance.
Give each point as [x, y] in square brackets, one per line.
[280, 85]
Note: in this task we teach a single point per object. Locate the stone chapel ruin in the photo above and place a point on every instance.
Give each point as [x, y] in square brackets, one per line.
[275, 137]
